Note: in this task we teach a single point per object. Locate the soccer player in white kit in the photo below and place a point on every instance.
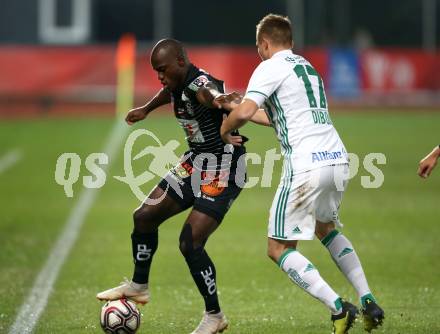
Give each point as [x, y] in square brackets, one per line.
[315, 170]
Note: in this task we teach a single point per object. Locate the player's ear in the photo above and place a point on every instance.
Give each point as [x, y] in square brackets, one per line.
[181, 61]
[265, 43]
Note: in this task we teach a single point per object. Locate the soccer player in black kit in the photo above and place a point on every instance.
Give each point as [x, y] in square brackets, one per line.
[193, 93]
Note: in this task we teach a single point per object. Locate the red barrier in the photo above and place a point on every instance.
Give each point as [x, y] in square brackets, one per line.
[318, 57]
[82, 71]
[399, 70]
[87, 73]
[52, 71]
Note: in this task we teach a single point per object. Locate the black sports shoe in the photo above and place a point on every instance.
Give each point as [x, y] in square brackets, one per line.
[344, 321]
[373, 315]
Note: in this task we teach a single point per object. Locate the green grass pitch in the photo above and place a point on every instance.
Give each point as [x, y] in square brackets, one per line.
[395, 230]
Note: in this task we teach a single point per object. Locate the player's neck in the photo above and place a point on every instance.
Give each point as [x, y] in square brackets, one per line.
[276, 49]
[181, 84]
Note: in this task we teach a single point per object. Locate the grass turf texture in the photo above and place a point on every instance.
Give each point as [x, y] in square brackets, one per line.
[394, 230]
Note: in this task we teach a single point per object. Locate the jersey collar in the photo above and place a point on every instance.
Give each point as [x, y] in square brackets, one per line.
[191, 74]
[282, 53]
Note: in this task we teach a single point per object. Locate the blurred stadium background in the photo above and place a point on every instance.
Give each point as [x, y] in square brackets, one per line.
[371, 53]
[381, 68]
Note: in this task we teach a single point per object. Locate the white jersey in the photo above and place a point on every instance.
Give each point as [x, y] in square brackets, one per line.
[292, 94]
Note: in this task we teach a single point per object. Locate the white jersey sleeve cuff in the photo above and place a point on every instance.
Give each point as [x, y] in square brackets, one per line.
[256, 96]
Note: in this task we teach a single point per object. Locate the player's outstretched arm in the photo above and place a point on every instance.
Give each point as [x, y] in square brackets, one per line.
[232, 100]
[428, 163]
[210, 96]
[237, 118]
[261, 118]
[137, 114]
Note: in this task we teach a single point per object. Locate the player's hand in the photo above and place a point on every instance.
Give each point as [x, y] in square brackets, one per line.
[229, 138]
[135, 115]
[428, 163]
[227, 101]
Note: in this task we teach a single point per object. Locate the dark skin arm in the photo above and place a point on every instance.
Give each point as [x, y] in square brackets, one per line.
[206, 95]
[137, 114]
[209, 95]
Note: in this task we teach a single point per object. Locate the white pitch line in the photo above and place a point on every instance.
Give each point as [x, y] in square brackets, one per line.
[10, 159]
[36, 302]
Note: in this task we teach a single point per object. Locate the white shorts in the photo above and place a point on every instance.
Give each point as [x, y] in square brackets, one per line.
[303, 199]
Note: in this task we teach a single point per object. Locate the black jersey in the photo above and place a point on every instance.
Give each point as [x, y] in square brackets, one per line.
[200, 123]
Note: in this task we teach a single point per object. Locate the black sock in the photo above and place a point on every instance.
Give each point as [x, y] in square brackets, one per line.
[204, 275]
[144, 246]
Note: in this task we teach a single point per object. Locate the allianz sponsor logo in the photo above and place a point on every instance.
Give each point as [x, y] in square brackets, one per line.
[326, 155]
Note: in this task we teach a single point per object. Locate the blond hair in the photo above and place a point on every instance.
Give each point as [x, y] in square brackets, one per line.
[276, 28]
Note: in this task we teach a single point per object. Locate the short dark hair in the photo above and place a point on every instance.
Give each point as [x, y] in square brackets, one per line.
[172, 45]
[275, 27]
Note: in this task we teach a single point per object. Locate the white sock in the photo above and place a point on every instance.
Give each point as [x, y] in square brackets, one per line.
[345, 256]
[302, 272]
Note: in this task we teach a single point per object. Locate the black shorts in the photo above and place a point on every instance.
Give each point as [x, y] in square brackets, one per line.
[211, 194]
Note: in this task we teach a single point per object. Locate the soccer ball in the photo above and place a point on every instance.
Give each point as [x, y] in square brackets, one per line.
[120, 317]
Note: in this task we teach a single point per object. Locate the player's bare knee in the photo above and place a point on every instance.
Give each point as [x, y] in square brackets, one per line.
[185, 240]
[276, 248]
[183, 247]
[144, 219]
[272, 254]
[139, 216]
[323, 229]
[190, 252]
[189, 247]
